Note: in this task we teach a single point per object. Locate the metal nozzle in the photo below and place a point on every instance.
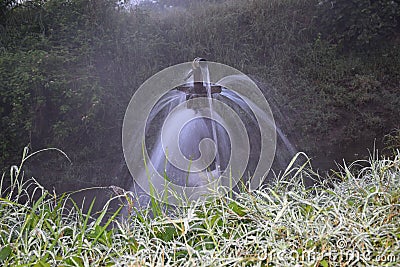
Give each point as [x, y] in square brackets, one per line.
[198, 62]
[197, 88]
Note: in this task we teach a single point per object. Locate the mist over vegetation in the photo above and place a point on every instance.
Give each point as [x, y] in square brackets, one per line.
[69, 68]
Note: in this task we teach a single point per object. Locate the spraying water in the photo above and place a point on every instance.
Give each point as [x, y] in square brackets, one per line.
[207, 84]
[187, 138]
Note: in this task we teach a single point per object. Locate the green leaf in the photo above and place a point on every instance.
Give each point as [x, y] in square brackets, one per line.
[41, 264]
[83, 229]
[237, 209]
[216, 219]
[133, 244]
[324, 263]
[167, 233]
[75, 261]
[310, 244]
[100, 230]
[5, 252]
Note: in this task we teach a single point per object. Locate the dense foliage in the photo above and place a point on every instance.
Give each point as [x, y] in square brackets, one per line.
[351, 222]
[360, 24]
[69, 68]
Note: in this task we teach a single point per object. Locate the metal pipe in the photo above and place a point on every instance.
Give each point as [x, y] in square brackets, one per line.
[197, 88]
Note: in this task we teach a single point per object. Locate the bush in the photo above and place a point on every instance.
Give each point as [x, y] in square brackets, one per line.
[392, 140]
[359, 24]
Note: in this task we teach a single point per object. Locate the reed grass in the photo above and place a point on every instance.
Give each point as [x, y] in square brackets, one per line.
[350, 218]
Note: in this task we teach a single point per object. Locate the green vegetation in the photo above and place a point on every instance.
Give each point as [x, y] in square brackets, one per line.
[69, 68]
[352, 216]
[360, 24]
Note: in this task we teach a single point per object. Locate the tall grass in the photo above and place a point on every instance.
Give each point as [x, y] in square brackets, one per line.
[351, 218]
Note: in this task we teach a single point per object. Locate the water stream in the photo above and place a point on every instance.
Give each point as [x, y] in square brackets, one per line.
[187, 140]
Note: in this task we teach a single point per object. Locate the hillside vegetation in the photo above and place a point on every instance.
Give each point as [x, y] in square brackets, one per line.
[69, 68]
[330, 69]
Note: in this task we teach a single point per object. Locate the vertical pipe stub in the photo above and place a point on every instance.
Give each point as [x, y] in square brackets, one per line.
[198, 62]
[197, 88]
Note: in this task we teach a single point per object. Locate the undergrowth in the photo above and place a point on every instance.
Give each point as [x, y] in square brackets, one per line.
[350, 218]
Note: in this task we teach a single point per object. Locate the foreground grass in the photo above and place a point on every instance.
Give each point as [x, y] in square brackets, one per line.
[354, 220]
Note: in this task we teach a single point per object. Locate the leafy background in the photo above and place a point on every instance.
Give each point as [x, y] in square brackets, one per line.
[68, 69]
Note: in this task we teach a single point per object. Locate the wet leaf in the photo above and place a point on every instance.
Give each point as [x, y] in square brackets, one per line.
[75, 261]
[167, 234]
[5, 252]
[41, 264]
[324, 263]
[237, 209]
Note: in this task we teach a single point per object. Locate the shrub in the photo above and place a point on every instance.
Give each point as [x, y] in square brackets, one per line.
[359, 24]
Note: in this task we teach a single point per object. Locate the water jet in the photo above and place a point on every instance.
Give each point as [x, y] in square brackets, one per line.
[200, 132]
